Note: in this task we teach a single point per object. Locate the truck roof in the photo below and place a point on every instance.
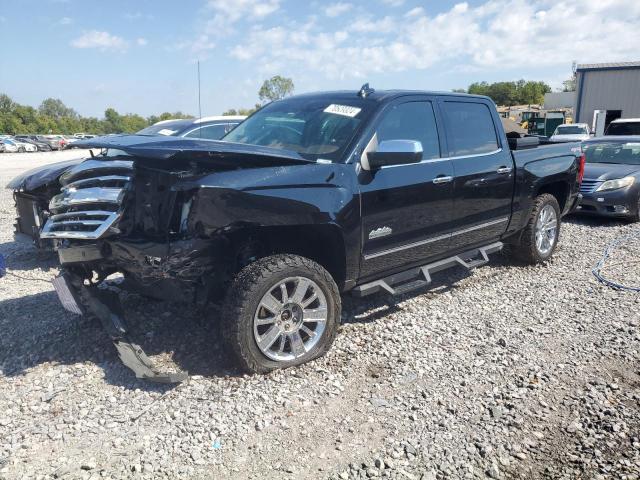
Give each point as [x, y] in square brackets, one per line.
[626, 120]
[385, 95]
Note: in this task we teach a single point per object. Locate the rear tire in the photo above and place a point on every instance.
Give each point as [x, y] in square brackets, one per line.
[268, 326]
[539, 238]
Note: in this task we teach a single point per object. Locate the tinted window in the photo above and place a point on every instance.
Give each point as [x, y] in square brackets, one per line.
[624, 128]
[573, 130]
[411, 121]
[209, 132]
[470, 129]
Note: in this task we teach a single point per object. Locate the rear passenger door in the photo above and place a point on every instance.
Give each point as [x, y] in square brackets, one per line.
[406, 209]
[483, 171]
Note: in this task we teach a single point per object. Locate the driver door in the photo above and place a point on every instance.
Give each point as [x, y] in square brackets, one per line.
[406, 209]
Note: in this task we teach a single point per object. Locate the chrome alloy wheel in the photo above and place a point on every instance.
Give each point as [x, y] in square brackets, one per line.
[290, 319]
[546, 229]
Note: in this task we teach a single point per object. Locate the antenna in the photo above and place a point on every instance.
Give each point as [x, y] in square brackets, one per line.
[199, 103]
[365, 90]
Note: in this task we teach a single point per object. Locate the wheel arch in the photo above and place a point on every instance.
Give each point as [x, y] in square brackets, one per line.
[559, 189]
[323, 243]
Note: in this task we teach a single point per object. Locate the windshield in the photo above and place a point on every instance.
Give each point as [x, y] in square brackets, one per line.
[622, 153]
[571, 130]
[316, 128]
[623, 128]
[169, 128]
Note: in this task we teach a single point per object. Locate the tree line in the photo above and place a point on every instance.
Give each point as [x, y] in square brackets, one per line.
[521, 92]
[53, 116]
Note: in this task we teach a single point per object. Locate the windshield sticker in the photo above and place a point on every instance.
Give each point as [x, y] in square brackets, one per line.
[344, 110]
[167, 132]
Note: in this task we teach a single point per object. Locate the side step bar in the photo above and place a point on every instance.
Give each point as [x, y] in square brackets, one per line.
[419, 277]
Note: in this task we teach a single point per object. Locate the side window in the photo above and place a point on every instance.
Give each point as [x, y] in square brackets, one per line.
[208, 132]
[411, 121]
[470, 129]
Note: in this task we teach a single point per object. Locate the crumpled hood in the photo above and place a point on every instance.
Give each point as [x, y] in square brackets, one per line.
[40, 176]
[162, 148]
[609, 171]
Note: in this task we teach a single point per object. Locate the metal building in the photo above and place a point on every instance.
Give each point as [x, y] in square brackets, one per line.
[608, 90]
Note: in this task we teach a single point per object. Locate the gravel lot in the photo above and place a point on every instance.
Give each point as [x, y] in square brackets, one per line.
[507, 372]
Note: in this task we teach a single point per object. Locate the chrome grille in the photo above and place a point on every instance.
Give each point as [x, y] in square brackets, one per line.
[91, 200]
[589, 186]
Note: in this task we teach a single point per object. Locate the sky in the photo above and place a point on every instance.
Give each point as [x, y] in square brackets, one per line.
[139, 56]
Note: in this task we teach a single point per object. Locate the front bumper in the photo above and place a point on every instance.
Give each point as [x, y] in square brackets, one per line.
[621, 203]
[103, 303]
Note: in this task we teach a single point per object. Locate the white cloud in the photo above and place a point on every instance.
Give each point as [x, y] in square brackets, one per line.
[65, 21]
[142, 41]
[414, 12]
[337, 9]
[229, 12]
[393, 3]
[100, 40]
[496, 34]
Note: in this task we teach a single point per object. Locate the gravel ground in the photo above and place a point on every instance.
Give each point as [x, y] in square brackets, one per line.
[507, 372]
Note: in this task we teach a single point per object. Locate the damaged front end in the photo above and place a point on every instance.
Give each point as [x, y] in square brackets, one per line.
[32, 192]
[134, 214]
[102, 223]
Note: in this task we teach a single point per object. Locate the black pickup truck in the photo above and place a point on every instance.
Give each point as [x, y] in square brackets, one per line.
[311, 197]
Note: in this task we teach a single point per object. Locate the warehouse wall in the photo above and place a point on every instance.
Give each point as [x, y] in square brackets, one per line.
[608, 90]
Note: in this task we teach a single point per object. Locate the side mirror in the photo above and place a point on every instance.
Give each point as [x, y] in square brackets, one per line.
[395, 152]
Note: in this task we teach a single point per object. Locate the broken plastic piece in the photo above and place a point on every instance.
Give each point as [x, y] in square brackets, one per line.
[105, 304]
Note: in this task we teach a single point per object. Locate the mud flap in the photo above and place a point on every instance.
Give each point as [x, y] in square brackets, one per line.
[105, 305]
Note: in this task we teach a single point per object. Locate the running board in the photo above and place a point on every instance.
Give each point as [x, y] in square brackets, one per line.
[419, 277]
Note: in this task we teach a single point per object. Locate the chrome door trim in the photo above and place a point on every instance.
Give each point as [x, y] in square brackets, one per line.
[435, 239]
[444, 159]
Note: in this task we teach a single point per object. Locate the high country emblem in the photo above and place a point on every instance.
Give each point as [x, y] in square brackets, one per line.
[380, 232]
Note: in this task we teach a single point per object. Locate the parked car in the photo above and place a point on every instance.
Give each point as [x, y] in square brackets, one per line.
[33, 139]
[571, 132]
[22, 146]
[33, 189]
[310, 197]
[9, 145]
[206, 128]
[70, 140]
[611, 185]
[51, 140]
[624, 126]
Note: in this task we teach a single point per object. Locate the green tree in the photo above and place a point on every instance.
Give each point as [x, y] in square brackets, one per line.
[521, 92]
[53, 107]
[276, 88]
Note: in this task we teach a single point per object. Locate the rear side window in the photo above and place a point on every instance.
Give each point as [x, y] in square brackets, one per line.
[209, 132]
[411, 121]
[470, 129]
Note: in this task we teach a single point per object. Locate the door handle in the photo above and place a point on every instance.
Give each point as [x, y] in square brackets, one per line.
[504, 170]
[442, 179]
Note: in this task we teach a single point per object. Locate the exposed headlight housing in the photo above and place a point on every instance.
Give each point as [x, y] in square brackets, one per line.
[616, 183]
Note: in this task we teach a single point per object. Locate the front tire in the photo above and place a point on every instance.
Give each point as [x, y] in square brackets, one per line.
[540, 236]
[280, 311]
